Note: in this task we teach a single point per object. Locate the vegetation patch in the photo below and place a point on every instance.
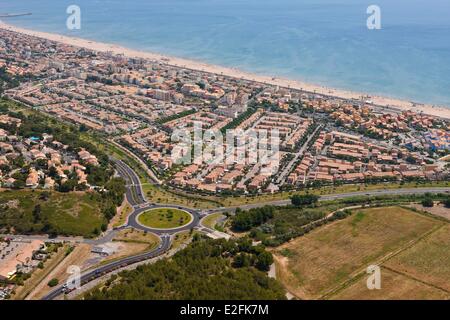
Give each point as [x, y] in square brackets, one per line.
[206, 269]
[394, 286]
[276, 225]
[328, 257]
[137, 236]
[164, 218]
[212, 221]
[428, 260]
[54, 213]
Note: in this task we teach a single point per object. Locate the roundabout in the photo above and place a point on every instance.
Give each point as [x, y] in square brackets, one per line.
[164, 218]
[157, 218]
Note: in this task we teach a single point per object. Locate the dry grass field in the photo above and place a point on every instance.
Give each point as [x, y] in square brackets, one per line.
[393, 286]
[332, 258]
[428, 260]
[130, 242]
[136, 236]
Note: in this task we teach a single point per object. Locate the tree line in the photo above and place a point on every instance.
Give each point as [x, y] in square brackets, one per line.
[206, 269]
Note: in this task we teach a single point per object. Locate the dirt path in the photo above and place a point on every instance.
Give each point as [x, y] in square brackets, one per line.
[280, 266]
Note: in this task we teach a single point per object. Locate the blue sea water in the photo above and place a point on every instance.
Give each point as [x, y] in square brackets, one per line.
[320, 41]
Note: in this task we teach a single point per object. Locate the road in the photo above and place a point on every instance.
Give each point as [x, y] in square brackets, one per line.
[150, 173]
[133, 221]
[104, 238]
[98, 272]
[135, 196]
[137, 199]
[406, 191]
[283, 175]
[134, 193]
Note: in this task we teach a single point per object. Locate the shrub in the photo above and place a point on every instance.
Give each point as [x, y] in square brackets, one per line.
[427, 202]
[53, 283]
[446, 202]
[301, 200]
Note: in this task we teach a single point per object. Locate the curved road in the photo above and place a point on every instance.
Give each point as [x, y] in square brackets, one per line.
[100, 271]
[134, 193]
[132, 220]
[135, 196]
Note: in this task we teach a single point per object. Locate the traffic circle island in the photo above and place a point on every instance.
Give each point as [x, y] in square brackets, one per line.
[164, 218]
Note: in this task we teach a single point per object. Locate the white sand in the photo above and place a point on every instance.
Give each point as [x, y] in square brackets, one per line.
[185, 63]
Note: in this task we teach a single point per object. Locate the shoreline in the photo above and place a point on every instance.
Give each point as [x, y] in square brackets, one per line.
[401, 105]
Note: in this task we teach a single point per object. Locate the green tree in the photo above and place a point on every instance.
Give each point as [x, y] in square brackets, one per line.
[53, 283]
[428, 202]
[446, 202]
[18, 184]
[304, 199]
[203, 270]
[37, 213]
[264, 260]
[68, 186]
[245, 220]
[241, 260]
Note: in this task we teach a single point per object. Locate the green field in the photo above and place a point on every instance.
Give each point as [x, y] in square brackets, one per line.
[211, 220]
[31, 212]
[164, 218]
[330, 259]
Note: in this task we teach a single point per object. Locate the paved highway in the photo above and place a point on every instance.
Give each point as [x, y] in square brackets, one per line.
[134, 193]
[403, 191]
[98, 272]
[133, 222]
[136, 198]
[149, 172]
[406, 191]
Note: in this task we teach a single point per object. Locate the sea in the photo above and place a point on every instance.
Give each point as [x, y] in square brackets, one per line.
[325, 42]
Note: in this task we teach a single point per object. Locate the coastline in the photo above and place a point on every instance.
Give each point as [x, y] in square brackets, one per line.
[232, 72]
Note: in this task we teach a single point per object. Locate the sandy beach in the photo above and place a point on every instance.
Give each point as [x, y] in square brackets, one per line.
[196, 65]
